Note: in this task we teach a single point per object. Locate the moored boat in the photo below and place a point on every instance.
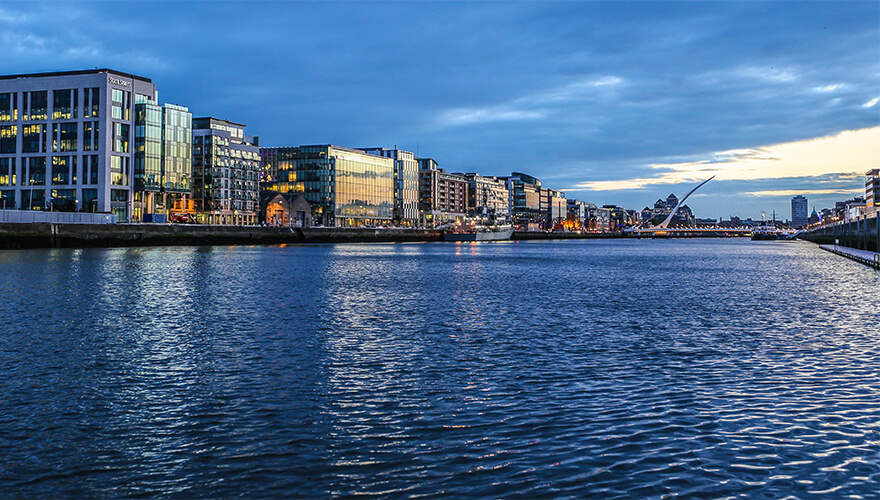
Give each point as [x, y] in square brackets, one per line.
[765, 231]
[466, 232]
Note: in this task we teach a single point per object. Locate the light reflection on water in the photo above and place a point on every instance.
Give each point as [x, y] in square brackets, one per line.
[584, 368]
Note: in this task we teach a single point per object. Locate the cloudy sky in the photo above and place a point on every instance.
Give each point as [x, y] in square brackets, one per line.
[613, 102]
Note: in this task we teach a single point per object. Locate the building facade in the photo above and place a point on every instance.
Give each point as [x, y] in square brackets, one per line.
[488, 198]
[555, 207]
[345, 187]
[66, 140]
[525, 199]
[799, 212]
[872, 190]
[597, 219]
[406, 184]
[162, 159]
[226, 173]
[577, 214]
[442, 196]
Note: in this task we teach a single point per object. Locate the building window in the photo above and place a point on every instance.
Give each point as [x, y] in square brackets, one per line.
[63, 170]
[119, 170]
[38, 105]
[8, 107]
[90, 136]
[121, 104]
[118, 195]
[64, 104]
[91, 102]
[33, 199]
[33, 138]
[36, 171]
[67, 136]
[120, 138]
[90, 200]
[8, 137]
[7, 171]
[90, 169]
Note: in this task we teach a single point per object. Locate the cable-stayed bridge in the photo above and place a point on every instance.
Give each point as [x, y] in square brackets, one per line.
[663, 229]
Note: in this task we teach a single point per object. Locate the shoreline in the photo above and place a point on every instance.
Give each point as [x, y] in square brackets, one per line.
[50, 235]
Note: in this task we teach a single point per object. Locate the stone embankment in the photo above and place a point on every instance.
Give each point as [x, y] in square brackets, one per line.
[130, 235]
[46, 235]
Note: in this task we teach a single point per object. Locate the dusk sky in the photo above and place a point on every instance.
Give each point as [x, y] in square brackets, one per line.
[612, 102]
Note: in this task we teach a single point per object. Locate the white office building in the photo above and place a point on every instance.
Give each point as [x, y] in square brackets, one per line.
[67, 140]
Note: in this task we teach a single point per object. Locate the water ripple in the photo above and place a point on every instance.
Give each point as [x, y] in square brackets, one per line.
[624, 369]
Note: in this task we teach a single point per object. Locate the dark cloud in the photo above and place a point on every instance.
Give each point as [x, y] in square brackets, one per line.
[570, 91]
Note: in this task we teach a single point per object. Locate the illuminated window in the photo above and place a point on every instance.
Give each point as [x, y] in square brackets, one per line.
[8, 137]
[8, 107]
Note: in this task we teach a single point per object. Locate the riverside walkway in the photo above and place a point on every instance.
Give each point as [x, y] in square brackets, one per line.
[865, 257]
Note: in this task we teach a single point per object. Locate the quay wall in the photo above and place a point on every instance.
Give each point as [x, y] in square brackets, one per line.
[48, 235]
[861, 234]
[540, 235]
[44, 235]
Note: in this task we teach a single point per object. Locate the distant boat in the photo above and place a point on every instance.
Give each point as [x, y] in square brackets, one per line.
[766, 231]
[467, 232]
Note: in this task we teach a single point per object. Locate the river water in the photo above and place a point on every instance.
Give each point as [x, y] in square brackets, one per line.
[613, 369]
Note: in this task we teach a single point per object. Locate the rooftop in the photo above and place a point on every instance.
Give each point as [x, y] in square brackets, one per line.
[74, 73]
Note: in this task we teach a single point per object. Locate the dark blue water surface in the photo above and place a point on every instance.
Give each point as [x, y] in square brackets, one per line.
[612, 369]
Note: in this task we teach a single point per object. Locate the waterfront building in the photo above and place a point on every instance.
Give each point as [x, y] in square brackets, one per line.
[442, 196]
[345, 187]
[162, 159]
[284, 209]
[577, 211]
[488, 198]
[619, 217]
[597, 219]
[554, 205]
[406, 184]
[799, 217]
[872, 190]
[66, 140]
[525, 199]
[226, 173]
[854, 209]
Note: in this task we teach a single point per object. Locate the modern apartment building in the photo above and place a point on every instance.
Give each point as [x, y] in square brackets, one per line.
[66, 140]
[226, 173]
[488, 198]
[345, 187]
[406, 184]
[555, 207]
[525, 199]
[442, 196]
[799, 212]
[872, 190]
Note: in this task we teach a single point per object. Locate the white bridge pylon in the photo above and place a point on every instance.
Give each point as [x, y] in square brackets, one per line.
[665, 223]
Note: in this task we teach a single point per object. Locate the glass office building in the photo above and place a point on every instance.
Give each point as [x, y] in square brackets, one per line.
[346, 187]
[406, 184]
[163, 158]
